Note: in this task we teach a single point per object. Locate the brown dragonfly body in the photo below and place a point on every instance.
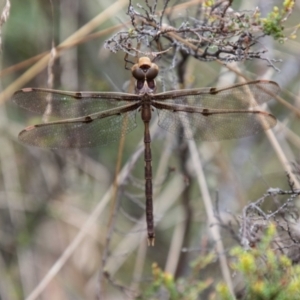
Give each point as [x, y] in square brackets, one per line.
[89, 119]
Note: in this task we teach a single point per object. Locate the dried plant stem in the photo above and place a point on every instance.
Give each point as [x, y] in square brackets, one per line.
[139, 267]
[282, 157]
[175, 247]
[271, 136]
[210, 214]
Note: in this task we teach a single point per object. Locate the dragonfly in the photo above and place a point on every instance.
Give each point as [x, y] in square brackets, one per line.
[87, 119]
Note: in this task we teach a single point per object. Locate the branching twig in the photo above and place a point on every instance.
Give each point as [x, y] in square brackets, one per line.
[214, 33]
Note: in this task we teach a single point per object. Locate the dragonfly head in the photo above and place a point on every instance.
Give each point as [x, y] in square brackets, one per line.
[145, 72]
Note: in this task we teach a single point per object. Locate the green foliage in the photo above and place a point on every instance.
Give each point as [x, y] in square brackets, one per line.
[272, 24]
[267, 275]
[182, 289]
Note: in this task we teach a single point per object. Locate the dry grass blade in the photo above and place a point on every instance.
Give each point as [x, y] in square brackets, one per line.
[43, 62]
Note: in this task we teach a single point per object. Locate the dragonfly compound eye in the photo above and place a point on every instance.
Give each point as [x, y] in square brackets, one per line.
[152, 72]
[138, 73]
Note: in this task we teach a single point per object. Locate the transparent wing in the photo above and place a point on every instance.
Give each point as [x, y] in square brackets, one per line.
[80, 133]
[214, 125]
[216, 114]
[69, 104]
[240, 96]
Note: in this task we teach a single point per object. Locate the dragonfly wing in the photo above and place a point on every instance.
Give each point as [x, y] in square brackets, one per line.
[214, 125]
[67, 105]
[79, 133]
[239, 96]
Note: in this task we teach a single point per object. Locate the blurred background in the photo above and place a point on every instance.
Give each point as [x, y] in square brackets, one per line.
[60, 209]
